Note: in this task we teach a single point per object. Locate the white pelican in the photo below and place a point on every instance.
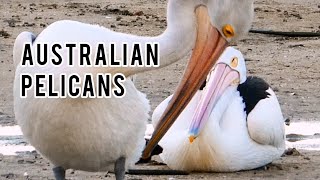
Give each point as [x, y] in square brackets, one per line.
[107, 134]
[232, 123]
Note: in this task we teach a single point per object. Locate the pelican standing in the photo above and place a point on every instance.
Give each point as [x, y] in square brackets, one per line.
[232, 123]
[107, 134]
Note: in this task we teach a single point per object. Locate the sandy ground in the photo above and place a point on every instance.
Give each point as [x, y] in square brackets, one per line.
[290, 65]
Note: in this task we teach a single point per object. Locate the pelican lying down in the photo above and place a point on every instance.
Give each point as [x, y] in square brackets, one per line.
[232, 123]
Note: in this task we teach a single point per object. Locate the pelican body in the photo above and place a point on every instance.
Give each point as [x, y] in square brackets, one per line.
[93, 134]
[227, 126]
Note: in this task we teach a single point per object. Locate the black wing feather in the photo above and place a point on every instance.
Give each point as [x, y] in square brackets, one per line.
[252, 91]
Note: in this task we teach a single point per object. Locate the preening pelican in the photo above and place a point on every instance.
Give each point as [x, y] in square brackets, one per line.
[107, 134]
[232, 123]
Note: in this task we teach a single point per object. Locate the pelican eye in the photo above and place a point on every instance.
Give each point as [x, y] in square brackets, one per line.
[228, 31]
[234, 62]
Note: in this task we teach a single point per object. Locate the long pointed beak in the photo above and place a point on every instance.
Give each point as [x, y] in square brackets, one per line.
[209, 46]
[219, 80]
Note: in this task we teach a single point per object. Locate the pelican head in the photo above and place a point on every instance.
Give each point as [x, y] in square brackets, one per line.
[232, 18]
[218, 22]
[230, 70]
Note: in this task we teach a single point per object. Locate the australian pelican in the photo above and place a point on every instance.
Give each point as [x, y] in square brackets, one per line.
[107, 134]
[233, 122]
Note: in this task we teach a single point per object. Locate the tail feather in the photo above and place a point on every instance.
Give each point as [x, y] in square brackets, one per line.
[21, 40]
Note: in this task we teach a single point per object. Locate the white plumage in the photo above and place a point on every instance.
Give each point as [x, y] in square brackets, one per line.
[229, 141]
[91, 134]
[84, 134]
